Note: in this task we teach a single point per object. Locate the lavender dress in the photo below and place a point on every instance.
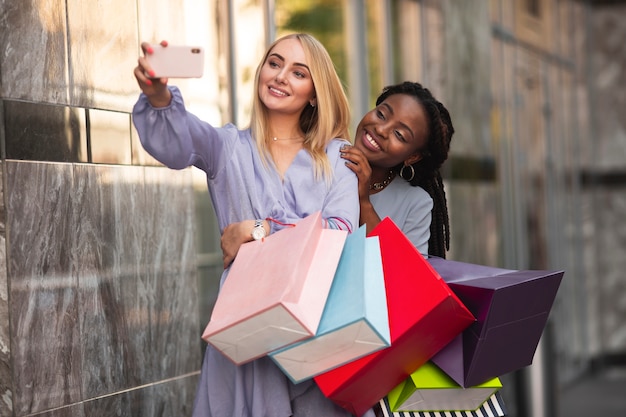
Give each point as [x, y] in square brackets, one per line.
[242, 187]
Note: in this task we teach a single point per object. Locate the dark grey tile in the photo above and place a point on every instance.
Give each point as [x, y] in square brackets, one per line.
[43, 132]
[72, 410]
[6, 387]
[170, 240]
[3, 211]
[163, 399]
[109, 137]
[136, 273]
[135, 403]
[115, 294]
[34, 61]
[45, 342]
[175, 397]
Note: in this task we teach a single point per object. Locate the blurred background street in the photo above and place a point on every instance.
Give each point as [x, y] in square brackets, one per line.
[601, 394]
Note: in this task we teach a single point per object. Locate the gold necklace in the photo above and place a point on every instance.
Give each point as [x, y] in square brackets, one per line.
[377, 186]
[297, 137]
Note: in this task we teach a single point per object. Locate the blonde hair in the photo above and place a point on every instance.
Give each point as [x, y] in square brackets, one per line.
[327, 120]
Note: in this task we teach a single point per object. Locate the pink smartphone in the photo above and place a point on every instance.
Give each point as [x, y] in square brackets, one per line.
[177, 61]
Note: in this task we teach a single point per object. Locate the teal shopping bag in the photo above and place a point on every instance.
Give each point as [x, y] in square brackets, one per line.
[355, 319]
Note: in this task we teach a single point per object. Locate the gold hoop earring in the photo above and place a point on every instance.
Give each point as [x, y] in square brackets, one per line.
[412, 172]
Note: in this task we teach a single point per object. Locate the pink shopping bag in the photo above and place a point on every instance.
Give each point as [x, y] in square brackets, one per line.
[275, 291]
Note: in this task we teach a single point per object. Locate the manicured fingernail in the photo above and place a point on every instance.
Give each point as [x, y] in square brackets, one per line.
[148, 82]
[149, 50]
[151, 72]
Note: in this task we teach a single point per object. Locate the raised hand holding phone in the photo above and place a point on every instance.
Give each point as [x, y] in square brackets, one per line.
[155, 88]
[175, 61]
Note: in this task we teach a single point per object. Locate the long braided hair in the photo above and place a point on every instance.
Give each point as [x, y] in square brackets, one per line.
[427, 174]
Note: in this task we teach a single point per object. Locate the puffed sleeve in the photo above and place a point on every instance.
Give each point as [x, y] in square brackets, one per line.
[341, 206]
[177, 138]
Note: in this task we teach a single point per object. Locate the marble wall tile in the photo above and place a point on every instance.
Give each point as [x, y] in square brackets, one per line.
[104, 49]
[136, 275]
[170, 240]
[6, 387]
[44, 308]
[114, 293]
[103, 281]
[41, 132]
[168, 398]
[34, 44]
[174, 397]
[3, 211]
[72, 410]
[109, 137]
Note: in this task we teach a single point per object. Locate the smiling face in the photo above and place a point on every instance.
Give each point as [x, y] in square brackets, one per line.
[393, 132]
[285, 83]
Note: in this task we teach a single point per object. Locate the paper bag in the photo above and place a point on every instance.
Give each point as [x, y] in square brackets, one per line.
[355, 320]
[424, 316]
[511, 308]
[493, 407]
[275, 291]
[430, 389]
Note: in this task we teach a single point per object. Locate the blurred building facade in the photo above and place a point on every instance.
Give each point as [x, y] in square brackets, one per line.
[109, 263]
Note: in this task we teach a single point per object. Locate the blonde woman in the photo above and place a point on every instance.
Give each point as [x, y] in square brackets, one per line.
[285, 166]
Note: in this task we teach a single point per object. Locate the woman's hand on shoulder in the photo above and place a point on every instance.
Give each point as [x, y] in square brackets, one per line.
[154, 88]
[358, 163]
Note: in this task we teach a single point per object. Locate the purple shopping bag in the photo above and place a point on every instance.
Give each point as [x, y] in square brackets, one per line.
[511, 309]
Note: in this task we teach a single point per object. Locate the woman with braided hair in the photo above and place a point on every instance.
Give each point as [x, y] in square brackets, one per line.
[406, 135]
[398, 149]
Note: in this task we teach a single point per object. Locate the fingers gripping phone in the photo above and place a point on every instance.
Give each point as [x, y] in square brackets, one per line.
[176, 61]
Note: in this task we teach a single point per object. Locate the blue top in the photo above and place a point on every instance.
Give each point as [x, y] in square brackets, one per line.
[409, 207]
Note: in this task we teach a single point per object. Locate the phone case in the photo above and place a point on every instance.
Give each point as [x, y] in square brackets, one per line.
[177, 61]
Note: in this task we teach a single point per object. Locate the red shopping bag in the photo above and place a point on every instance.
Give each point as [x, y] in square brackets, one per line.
[424, 316]
[275, 291]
